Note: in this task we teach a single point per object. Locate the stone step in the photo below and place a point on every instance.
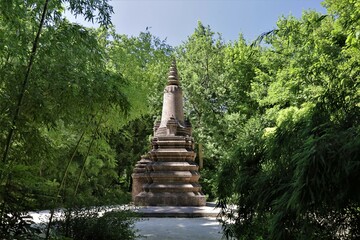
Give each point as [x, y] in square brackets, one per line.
[170, 199]
[173, 155]
[173, 144]
[209, 210]
[172, 138]
[173, 166]
[174, 176]
[139, 170]
[173, 187]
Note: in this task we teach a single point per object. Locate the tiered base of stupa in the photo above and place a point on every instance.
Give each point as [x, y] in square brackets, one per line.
[172, 175]
[170, 199]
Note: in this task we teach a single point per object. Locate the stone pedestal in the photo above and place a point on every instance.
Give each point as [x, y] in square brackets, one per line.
[170, 176]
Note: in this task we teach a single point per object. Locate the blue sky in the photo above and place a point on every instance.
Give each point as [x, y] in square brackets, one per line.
[175, 20]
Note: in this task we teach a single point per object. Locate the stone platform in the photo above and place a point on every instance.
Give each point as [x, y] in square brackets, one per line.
[209, 210]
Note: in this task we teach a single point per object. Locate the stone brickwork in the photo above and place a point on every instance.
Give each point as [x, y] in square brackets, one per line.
[169, 176]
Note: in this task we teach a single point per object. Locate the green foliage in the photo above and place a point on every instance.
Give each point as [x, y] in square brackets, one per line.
[144, 62]
[216, 79]
[294, 171]
[91, 225]
[348, 21]
[59, 104]
[130, 143]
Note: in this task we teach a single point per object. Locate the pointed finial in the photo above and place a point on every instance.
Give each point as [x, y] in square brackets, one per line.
[173, 78]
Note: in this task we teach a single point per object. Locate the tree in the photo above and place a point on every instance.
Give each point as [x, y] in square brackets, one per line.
[216, 93]
[42, 127]
[295, 168]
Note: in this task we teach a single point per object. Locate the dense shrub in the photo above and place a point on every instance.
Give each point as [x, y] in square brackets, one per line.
[91, 225]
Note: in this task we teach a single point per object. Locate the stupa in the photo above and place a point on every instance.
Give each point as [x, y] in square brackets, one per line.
[168, 174]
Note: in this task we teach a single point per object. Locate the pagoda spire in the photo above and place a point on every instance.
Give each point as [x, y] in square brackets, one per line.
[172, 101]
[173, 78]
